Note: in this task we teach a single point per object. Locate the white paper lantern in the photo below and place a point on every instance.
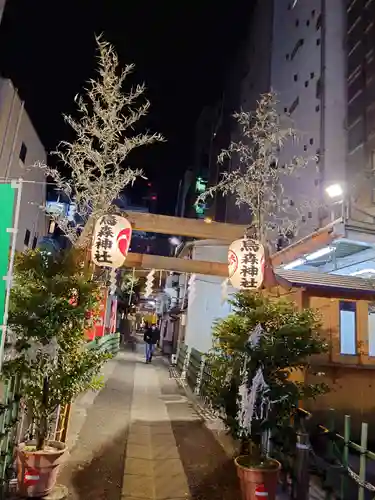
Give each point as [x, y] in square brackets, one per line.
[111, 241]
[246, 264]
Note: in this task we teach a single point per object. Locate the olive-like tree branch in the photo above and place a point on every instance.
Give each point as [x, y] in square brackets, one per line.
[105, 137]
[258, 181]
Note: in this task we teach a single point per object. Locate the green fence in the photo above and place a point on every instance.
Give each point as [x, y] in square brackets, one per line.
[347, 468]
[9, 413]
[108, 343]
[193, 371]
[181, 358]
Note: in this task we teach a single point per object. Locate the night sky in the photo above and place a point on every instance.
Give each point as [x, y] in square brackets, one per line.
[182, 52]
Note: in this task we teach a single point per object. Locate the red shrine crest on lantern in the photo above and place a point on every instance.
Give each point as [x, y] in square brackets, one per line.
[246, 263]
[111, 241]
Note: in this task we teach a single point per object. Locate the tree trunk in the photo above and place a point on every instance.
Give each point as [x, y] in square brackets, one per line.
[42, 430]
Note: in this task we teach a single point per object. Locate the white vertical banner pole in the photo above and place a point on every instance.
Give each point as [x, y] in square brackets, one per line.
[17, 185]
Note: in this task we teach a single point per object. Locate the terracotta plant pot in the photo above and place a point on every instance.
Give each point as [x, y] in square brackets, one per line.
[37, 470]
[258, 483]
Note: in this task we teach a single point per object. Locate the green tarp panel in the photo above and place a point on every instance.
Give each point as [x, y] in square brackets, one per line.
[7, 195]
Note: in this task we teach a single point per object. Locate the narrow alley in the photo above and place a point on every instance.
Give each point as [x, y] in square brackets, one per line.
[141, 438]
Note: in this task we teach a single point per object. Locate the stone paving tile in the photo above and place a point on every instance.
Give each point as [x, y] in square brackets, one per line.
[139, 466]
[164, 451]
[138, 451]
[139, 437]
[166, 487]
[161, 428]
[138, 486]
[158, 440]
[168, 467]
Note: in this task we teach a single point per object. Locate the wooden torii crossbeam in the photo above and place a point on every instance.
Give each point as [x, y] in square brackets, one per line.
[225, 232]
[182, 226]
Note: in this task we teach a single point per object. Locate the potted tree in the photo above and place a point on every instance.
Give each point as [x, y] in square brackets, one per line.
[48, 317]
[255, 350]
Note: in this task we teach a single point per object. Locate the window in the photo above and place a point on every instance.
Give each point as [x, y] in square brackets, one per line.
[309, 215]
[312, 75]
[23, 152]
[287, 57]
[373, 160]
[311, 141]
[306, 83]
[295, 77]
[313, 13]
[318, 24]
[291, 203]
[318, 42]
[317, 108]
[285, 110]
[27, 238]
[305, 147]
[348, 334]
[297, 23]
[297, 46]
[294, 105]
[35, 241]
[307, 23]
[371, 329]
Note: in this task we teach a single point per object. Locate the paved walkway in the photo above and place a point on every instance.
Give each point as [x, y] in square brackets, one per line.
[140, 438]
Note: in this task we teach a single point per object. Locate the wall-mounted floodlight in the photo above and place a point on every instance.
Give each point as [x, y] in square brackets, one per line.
[334, 190]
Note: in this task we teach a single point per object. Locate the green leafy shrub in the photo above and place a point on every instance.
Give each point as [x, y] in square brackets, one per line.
[289, 338]
[51, 300]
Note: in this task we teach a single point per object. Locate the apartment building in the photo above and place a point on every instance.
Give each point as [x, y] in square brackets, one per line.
[20, 149]
[308, 74]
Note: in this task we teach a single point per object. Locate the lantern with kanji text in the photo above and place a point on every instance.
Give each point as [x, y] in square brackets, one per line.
[111, 241]
[246, 262]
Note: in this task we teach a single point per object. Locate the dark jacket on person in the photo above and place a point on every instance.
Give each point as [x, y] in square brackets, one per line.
[151, 335]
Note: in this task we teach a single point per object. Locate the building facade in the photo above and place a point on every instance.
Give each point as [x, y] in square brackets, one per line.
[20, 150]
[297, 50]
[360, 82]
[308, 74]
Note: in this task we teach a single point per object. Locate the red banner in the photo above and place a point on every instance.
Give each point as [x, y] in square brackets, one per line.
[98, 328]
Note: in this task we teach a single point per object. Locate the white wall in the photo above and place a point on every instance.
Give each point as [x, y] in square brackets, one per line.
[295, 75]
[205, 306]
[17, 130]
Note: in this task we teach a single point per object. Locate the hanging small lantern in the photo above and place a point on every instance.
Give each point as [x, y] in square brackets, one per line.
[111, 241]
[246, 263]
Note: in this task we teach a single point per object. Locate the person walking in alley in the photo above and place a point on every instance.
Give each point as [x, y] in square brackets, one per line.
[151, 338]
